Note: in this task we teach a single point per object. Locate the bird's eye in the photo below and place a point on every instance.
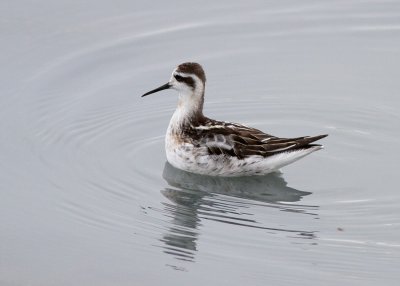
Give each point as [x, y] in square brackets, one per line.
[178, 77]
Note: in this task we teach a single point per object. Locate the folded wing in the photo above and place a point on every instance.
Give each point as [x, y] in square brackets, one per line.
[241, 141]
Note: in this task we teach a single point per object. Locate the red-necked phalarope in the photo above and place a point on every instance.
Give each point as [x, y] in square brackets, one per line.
[198, 144]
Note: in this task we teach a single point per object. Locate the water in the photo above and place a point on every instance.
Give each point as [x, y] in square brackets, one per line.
[88, 199]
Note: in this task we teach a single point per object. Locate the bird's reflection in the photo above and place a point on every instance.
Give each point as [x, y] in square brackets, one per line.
[194, 198]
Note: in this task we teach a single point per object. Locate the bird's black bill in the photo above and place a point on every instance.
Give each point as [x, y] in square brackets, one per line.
[165, 86]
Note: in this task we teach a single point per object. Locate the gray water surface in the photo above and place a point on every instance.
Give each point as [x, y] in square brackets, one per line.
[87, 197]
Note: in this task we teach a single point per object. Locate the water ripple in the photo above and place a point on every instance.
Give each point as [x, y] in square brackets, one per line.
[101, 146]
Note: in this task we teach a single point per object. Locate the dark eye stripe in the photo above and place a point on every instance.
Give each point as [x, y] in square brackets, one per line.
[188, 80]
[178, 77]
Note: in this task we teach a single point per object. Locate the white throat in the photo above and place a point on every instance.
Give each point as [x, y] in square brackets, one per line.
[190, 105]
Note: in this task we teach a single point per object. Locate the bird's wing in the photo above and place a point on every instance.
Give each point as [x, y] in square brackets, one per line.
[222, 138]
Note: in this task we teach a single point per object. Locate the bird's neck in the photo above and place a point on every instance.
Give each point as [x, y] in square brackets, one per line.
[189, 109]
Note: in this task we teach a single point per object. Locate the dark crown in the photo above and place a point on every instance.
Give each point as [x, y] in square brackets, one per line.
[193, 68]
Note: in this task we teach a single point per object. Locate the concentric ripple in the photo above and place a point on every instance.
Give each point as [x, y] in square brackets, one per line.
[111, 141]
[87, 195]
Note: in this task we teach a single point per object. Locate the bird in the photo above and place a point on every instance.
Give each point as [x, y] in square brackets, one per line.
[201, 145]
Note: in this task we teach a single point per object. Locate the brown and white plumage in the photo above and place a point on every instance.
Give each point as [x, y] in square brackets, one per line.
[202, 145]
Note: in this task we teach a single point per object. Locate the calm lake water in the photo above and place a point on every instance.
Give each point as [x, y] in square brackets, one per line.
[87, 197]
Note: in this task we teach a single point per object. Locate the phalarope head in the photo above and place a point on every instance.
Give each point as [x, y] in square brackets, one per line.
[189, 80]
